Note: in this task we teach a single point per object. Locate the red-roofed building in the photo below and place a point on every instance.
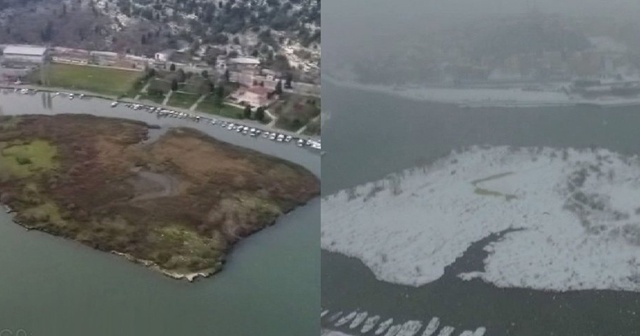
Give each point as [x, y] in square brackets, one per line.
[254, 96]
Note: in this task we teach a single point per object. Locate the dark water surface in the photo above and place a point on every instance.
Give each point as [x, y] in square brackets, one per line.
[370, 135]
[54, 287]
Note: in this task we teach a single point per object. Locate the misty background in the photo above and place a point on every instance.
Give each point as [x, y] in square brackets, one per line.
[402, 37]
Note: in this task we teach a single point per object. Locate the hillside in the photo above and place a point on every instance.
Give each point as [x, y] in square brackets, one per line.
[262, 28]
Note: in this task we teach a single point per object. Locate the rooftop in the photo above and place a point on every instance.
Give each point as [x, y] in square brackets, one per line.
[245, 60]
[25, 50]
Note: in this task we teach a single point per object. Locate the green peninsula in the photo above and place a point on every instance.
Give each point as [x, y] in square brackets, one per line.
[176, 204]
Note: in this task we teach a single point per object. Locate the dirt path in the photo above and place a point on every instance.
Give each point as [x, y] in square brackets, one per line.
[154, 186]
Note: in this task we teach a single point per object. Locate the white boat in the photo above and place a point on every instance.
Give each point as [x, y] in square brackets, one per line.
[446, 331]
[369, 324]
[344, 320]
[334, 317]
[480, 331]
[410, 328]
[393, 330]
[114, 104]
[382, 327]
[466, 333]
[360, 317]
[431, 327]
[288, 138]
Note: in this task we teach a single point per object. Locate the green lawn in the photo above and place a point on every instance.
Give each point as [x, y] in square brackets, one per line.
[154, 98]
[209, 105]
[95, 79]
[294, 111]
[183, 100]
[313, 127]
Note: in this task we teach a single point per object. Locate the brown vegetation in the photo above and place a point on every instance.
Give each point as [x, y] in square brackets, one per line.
[179, 202]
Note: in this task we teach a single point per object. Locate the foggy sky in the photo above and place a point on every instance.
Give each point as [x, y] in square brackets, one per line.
[353, 24]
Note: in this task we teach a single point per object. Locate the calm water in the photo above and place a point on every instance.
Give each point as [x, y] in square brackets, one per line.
[370, 135]
[51, 286]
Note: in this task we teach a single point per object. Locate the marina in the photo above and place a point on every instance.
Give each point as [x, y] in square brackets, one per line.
[389, 328]
[255, 132]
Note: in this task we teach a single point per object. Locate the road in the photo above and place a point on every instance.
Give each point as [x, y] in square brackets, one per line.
[250, 123]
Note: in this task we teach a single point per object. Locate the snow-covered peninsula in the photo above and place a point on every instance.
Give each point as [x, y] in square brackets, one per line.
[578, 212]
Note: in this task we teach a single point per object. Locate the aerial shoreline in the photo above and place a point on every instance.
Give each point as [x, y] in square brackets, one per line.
[90, 94]
[481, 97]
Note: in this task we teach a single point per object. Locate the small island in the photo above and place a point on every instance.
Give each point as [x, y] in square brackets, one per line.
[176, 202]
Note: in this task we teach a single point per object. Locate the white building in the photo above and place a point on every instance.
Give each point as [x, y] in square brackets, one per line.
[245, 61]
[163, 56]
[24, 54]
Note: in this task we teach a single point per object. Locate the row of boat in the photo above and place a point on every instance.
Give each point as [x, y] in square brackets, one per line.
[362, 321]
[71, 96]
[230, 126]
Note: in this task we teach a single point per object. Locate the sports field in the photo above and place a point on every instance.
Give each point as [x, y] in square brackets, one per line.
[101, 80]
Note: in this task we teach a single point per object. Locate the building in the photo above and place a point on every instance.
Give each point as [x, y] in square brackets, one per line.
[243, 64]
[255, 96]
[70, 56]
[164, 56]
[24, 54]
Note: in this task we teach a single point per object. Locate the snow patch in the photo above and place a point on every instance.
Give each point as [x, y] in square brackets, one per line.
[577, 211]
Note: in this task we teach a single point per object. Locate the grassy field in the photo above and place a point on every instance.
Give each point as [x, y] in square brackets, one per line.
[209, 105]
[27, 159]
[95, 79]
[314, 127]
[152, 98]
[183, 100]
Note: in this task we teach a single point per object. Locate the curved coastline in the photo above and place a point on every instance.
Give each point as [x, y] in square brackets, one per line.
[108, 112]
[478, 98]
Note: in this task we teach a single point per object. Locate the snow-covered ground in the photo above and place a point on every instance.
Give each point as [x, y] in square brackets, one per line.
[579, 212]
[480, 97]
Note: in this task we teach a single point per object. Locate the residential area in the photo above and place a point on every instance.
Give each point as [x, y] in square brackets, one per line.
[235, 87]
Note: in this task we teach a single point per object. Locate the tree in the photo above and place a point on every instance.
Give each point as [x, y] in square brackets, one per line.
[226, 75]
[181, 76]
[278, 89]
[143, 40]
[172, 67]
[205, 74]
[247, 112]
[288, 80]
[260, 113]
[174, 85]
[212, 87]
[151, 72]
[220, 94]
